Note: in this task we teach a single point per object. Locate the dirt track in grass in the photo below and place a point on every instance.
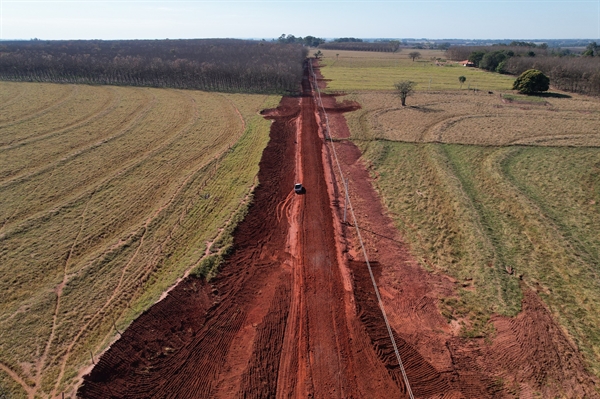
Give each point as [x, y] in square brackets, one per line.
[293, 313]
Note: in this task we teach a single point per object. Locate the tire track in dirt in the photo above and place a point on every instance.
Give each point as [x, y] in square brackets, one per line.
[17, 378]
[139, 113]
[59, 291]
[106, 108]
[74, 91]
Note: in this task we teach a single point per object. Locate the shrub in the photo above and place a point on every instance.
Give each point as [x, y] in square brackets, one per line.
[532, 81]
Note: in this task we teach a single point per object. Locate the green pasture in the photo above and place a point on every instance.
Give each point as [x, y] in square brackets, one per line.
[350, 71]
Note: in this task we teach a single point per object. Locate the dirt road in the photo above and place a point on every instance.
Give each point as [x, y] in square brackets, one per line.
[280, 319]
[293, 313]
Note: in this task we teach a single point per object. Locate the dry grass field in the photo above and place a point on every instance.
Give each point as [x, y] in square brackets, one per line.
[467, 117]
[500, 191]
[351, 71]
[109, 195]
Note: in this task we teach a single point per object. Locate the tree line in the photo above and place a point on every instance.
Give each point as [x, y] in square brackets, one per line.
[386, 47]
[310, 41]
[226, 65]
[575, 74]
[569, 72]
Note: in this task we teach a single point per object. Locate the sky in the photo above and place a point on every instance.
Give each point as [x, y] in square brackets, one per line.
[185, 19]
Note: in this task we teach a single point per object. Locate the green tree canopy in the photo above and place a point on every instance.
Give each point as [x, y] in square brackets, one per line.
[404, 89]
[491, 60]
[531, 81]
[414, 54]
[476, 56]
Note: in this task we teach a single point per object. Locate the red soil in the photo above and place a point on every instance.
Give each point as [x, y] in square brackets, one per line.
[293, 313]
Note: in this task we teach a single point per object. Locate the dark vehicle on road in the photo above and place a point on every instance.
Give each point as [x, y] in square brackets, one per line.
[298, 188]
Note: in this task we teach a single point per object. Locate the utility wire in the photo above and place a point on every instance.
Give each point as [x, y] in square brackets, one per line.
[379, 301]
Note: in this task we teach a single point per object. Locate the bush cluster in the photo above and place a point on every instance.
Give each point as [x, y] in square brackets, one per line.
[568, 72]
[531, 81]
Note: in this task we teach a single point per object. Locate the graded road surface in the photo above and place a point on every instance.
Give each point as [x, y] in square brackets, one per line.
[293, 314]
[280, 319]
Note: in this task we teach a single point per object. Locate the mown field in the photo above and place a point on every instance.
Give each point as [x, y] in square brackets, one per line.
[109, 195]
[499, 191]
[366, 71]
[466, 117]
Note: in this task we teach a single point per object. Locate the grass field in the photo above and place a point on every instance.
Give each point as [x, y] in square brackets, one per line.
[462, 117]
[500, 191]
[109, 194]
[351, 71]
[496, 217]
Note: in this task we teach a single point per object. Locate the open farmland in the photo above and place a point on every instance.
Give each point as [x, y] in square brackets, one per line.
[350, 71]
[496, 217]
[109, 195]
[499, 191]
[467, 117]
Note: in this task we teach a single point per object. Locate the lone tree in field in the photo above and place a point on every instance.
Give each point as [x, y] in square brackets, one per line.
[531, 81]
[414, 54]
[462, 80]
[405, 88]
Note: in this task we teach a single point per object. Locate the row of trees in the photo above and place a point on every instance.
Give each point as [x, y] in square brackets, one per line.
[309, 41]
[578, 74]
[460, 53]
[386, 47]
[215, 65]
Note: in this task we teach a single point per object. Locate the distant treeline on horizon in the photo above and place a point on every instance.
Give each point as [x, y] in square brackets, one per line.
[227, 65]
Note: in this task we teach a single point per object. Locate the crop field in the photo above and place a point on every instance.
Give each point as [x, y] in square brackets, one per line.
[351, 71]
[109, 195]
[499, 191]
